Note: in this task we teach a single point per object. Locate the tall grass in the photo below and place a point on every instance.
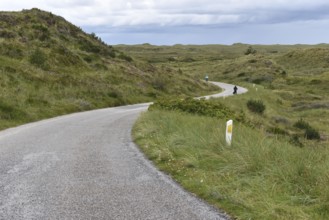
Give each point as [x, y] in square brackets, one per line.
[256, 178]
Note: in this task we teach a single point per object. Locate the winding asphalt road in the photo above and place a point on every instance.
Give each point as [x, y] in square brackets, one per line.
[85, 166]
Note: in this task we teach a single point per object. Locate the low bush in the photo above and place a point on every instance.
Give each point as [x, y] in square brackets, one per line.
[250, 50]
[277, 130]
[38, 58]
[88, 46]
[199, 107]
[294, 139]
[256, 106]
[125, 57]
[301, 124]
[241, 74]
[312, 134]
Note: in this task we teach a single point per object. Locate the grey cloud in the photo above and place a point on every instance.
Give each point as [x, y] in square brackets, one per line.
[180, 12]
[226, 20]
[71, 3]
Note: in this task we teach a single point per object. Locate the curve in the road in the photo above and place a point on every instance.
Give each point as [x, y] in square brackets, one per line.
[227, 90]
[85, 166]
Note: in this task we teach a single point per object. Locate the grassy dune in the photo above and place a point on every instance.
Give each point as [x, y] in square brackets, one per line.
[50, 67]
[290, 79]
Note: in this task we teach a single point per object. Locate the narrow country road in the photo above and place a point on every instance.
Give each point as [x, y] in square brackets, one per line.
[85, 166]
[227, 90]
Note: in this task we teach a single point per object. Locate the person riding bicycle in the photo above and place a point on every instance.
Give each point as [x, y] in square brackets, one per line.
[235, 90]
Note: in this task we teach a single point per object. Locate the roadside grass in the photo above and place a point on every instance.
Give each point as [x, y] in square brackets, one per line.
[258, 177]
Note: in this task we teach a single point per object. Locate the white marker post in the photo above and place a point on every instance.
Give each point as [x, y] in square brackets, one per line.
[229, 130]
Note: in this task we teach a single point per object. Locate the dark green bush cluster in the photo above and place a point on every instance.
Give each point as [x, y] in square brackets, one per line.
[38, 58]
[294, 139]
[277, 130]
[301, 124]
[125, 57]
[250, 50]
[256, 106]
[310, 132]
[200, 107]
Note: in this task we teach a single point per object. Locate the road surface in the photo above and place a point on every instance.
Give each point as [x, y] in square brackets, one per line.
[227, 90]
[85, 166]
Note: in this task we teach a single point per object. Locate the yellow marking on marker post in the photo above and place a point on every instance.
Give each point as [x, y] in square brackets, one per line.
[229, 129]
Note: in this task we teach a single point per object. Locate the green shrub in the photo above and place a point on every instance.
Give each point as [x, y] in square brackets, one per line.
[125, 57]
[250, 50]
[301, 124]
[257, 80]
[256, 106]
[241, 74]
[199, 107]
[277, 130]
[109, 51]
[38, 58]
[312, 134]
[88, 59]
[88, 46]
[294, 139]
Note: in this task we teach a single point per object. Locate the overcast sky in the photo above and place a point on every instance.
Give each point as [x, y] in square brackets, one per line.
[168, 22]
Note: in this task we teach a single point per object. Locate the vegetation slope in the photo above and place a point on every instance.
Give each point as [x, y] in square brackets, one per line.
[277, 165]
[291, 80]
[49, 67]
